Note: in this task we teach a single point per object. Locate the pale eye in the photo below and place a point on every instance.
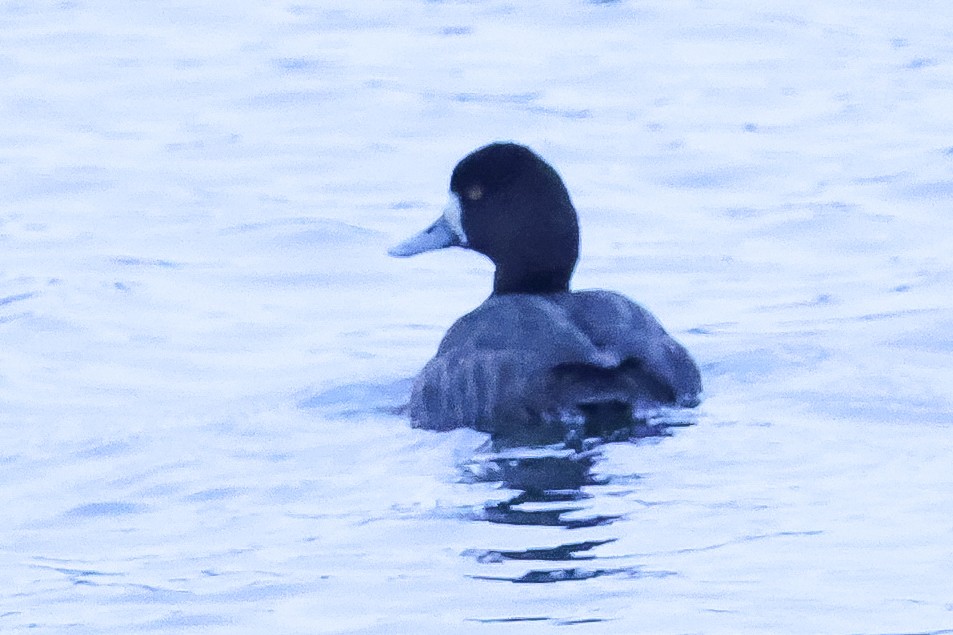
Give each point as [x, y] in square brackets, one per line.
[474, 193]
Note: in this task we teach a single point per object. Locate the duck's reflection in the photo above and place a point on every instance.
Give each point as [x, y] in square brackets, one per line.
[555, 487]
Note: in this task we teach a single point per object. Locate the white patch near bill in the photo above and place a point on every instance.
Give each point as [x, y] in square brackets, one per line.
[453, 214]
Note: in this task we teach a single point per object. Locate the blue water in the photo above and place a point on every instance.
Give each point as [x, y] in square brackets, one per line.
[203, 346]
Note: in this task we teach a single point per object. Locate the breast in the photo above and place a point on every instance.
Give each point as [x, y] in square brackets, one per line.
[519, 363]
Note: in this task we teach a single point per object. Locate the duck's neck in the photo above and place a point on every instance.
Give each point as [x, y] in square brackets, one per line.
[506, 281]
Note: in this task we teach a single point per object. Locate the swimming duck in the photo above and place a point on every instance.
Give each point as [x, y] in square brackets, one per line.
[537, 362]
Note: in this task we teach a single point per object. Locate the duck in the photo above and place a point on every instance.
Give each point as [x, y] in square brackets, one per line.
[537, 363]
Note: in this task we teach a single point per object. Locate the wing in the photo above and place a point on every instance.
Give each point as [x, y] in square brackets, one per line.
[492, 367]
[614, 323]
[490, 391]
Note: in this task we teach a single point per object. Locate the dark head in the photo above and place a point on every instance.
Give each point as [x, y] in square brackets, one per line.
[511, 206]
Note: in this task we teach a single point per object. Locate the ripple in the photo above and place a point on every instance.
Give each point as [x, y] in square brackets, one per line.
[110, 508]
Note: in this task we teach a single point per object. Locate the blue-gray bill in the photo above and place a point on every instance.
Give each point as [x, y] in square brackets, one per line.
[437, 236]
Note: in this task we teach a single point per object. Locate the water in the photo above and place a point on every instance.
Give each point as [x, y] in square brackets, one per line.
[204, 343]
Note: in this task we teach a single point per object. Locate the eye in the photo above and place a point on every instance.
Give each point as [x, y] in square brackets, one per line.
[474, 193]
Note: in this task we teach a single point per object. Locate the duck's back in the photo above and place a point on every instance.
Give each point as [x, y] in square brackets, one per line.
[521, 364]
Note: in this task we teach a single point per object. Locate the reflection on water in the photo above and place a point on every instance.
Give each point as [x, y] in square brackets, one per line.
[550, 481]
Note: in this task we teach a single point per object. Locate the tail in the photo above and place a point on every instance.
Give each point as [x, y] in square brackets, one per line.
[599, 401]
